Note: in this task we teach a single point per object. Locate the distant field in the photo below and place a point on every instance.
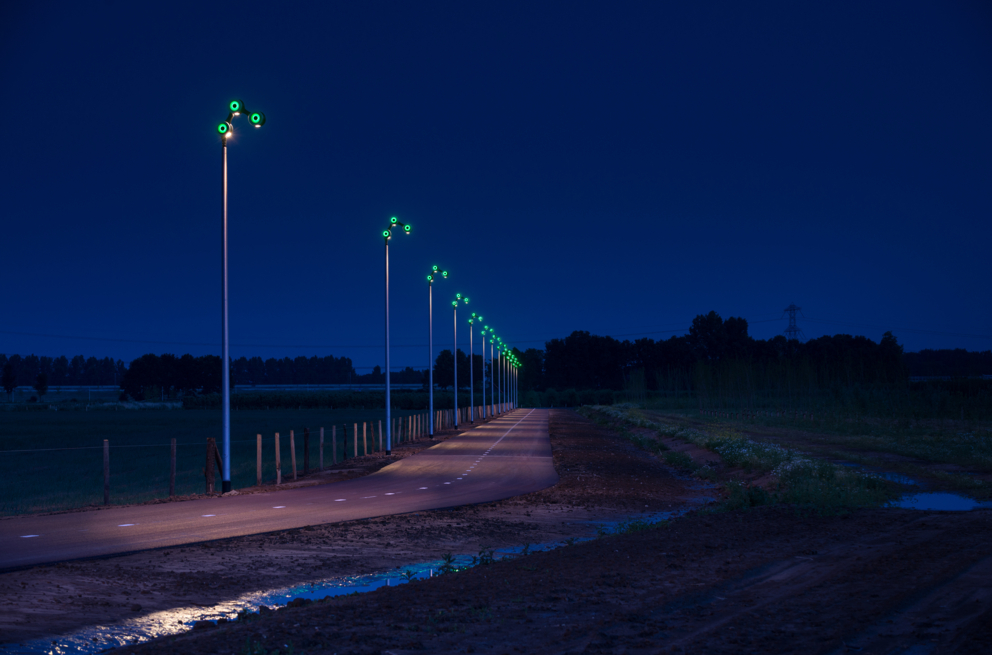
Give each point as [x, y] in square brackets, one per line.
[47, 480]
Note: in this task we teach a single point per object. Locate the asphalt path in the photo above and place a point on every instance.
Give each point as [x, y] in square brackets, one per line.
[506, 457]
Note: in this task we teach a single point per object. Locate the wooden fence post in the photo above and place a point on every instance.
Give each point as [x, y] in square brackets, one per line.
[258, 460]
[306, 450]
[208, 471]
[355, 437]
[365, 439]
[292, 451]
[106, 471]
[380, 435]
[278, 462]
[334, 444]
[322, 449]
[172, 468]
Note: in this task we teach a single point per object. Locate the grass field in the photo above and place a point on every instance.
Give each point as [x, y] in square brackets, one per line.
[54, 460]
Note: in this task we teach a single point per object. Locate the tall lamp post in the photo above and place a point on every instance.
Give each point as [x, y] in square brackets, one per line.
[226, 129]
[471, 370]
[386, 235]
[483, 333]
[499, 368]
[454, 306]
[430, 343]
[492, 369]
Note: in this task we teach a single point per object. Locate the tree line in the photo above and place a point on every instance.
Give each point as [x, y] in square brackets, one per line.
[716, 358]
[717, 354]
[62, 371]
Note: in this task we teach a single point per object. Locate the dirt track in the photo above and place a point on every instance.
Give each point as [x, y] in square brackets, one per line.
[765, 580]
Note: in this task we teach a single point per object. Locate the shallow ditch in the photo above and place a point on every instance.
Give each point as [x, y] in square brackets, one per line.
[101, 638]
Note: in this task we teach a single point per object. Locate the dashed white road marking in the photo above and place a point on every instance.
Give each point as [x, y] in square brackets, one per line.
[126, 525]
[447, 483]
[423, 487]
[28, 536]
[340, 500]
[279, 507]
[206, 515]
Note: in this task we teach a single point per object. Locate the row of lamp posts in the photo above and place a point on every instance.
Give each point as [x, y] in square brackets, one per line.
[505, 369]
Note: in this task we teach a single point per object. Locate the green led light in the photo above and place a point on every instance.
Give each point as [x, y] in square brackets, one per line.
[393, 220]
[466, 301]
[385, 233]
[454, 303]
[444, 273]
[256, 118]
[430, 278]
[236, 105]
[458, 295]
[434, 268]
[223, 128]
[406, 228]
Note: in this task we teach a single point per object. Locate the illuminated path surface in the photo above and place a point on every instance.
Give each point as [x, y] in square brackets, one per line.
[506, 457]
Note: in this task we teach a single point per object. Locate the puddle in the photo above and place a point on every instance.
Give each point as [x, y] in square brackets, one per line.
[940, 501]
[100, 638]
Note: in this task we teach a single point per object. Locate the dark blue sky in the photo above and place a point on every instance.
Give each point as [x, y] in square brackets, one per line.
[612, 167]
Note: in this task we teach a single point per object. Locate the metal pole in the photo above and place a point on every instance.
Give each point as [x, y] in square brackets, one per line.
[225, 359]
[430, 353]
[499, 379]
[389, 422]
[471, 377]
[455, 307]
[483, 375]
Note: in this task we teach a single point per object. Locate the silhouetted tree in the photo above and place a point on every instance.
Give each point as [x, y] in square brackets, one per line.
[9, 379]
[41, 384]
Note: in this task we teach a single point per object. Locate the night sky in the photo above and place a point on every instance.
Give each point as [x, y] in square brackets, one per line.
[616, 167]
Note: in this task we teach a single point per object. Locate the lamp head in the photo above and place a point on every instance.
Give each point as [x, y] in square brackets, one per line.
[385, 233]
[434, 268]
[224, 129]
[454, 303]
[466, 300]
[392, 221]
[444, 274]
[257, 119]
[406, 228]
[236, 106]
[430, 278]
[458, 296]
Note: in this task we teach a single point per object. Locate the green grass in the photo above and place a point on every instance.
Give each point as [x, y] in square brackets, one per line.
[803, 480]
[52, 477]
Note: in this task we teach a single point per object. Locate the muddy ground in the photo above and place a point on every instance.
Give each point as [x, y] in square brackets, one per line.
[771, 579]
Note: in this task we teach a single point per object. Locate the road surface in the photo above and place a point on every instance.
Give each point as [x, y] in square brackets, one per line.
[505, 457]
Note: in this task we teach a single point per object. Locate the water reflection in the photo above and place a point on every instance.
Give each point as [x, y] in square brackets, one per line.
[940, 501]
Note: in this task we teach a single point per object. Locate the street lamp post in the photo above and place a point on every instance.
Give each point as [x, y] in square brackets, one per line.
[454, 306]
[471, 369]
[226, 129]
[386, 235]
[483, 334]
[499, 356]
[430, 344]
